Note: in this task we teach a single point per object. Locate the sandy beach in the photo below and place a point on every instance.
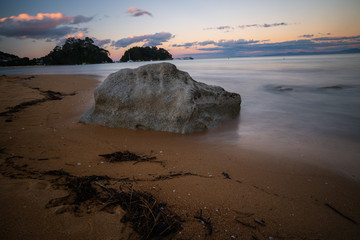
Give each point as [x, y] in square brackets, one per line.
[216, 191]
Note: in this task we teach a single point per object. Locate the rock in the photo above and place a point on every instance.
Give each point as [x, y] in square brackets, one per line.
[162, 98]
[281, 88]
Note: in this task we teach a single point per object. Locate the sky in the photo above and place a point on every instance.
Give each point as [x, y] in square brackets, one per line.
[197, 28]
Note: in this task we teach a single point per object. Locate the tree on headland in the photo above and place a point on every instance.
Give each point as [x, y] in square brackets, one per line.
[145, 54]
[77, 51]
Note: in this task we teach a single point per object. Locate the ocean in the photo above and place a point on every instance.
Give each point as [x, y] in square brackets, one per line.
[305, 107]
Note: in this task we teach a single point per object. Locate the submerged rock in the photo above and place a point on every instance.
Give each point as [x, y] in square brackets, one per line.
[160, 97]
[336, 87]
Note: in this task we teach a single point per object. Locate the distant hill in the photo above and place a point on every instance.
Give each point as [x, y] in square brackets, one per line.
[347, 51]
[77, 51]
[7, 59]
[145, 54]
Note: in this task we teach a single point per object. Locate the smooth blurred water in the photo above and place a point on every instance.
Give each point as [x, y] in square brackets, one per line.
[304, 120]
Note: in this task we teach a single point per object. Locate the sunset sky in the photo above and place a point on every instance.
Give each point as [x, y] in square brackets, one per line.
[202, 29]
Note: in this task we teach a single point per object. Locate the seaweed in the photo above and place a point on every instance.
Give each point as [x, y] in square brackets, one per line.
[129, 157]
[60, 172]
[226, 175]
[206, 222]
[48, 96]
[148, 217]
[340, 213]
[175, 175]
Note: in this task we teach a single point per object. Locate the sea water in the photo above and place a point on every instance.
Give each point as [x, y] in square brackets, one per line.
[305, 107]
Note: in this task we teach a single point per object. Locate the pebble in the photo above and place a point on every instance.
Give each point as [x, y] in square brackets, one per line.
[78, 164]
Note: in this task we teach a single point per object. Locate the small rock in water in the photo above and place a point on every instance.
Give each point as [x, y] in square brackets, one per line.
[281, 88]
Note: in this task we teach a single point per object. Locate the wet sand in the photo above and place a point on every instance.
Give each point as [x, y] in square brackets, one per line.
[232, 186]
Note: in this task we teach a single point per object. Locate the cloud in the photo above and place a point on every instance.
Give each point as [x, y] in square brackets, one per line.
[136, 12]
[101, 42]
[221, 43]
[195, 44]
[265, 25]
[307, 36]
[234, 43]
[227, 28]
[79, 35]
[273, 25]
[204, 43]
[241, 47]
[337, 38]
[148, 40]
[185, 45]
[41, 26]
[80, 19]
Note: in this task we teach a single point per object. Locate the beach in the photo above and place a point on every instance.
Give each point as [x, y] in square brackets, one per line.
[218, 190]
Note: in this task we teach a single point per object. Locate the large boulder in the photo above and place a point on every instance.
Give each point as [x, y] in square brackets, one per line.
[160, 97]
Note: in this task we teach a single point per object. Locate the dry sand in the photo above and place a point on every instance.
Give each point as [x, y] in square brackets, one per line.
[294, 199]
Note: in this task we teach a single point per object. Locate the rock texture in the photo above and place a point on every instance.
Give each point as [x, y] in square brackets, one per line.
[160, 97]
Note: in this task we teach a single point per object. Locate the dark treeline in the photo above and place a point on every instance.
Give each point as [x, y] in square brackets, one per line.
[145, 54]
[77, 51]
[74, 51]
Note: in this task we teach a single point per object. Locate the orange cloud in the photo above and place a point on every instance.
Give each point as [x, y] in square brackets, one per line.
[41, 26]
[132, 9]
[79, 35]
[136, 12]
[39, 16]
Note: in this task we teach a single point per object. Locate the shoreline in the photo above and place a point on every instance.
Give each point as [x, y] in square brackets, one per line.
[289, 195]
